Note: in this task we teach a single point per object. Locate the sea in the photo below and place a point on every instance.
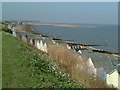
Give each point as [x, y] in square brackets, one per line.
[104, 35]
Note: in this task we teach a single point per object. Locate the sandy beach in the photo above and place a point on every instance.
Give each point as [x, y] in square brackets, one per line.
[48, 24]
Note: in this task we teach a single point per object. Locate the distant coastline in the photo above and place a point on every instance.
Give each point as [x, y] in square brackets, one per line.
[48, 24]
[85, 34]
[67, 25]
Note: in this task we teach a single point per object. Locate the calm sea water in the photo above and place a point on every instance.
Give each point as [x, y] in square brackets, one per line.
[105, 35]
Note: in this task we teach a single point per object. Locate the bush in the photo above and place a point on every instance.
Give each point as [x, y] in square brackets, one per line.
[7, 30]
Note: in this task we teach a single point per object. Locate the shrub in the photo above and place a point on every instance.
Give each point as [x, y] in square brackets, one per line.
[7, 30]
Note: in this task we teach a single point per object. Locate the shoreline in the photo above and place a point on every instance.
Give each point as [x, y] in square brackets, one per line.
[54, 24]
[90, 47]
[29, 28]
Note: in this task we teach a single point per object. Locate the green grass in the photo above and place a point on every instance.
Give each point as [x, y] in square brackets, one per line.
[24, 66]
[0, 26]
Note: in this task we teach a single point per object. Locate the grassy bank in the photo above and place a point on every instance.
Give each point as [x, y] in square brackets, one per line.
[0, 26]
[25, 66]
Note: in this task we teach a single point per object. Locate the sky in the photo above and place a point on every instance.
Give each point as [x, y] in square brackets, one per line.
[59, 0]
[62, 12]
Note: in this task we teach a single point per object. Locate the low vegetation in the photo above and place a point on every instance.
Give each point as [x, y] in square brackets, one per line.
[69, 62]
[24, 66]
[5, 28]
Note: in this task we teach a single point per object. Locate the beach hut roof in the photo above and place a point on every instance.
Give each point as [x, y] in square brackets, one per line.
[36, 37]
[47, 40]
[100, 60]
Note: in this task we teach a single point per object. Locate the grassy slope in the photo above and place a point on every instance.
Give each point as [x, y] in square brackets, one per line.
[24, 66]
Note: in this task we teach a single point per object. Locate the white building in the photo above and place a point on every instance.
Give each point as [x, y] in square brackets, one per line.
[91, 69]
[112, 78]
[13, 31]
[101, 65]
[43, 44]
